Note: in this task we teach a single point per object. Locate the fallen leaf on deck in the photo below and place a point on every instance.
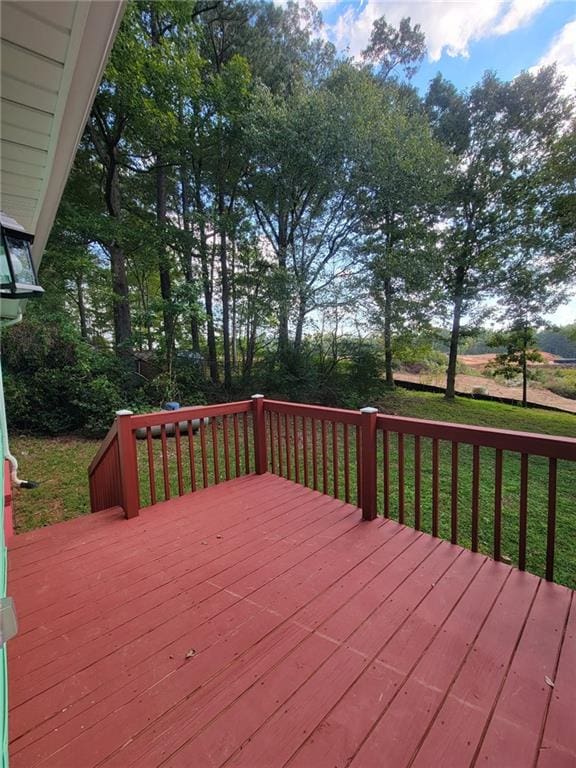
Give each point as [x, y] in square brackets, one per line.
[549, 682]
[191, 652]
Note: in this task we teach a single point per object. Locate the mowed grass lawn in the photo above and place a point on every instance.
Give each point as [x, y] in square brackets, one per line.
[60, 465]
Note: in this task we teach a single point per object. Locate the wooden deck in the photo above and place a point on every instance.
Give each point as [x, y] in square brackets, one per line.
[258, 623]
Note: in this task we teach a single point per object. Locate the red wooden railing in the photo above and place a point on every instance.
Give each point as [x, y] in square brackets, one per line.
[104, 478]
[213, 443]
[471, 485]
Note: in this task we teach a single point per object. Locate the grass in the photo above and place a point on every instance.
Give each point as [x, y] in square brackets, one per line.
[60, 465]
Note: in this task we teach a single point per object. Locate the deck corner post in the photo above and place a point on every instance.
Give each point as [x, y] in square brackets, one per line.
[128, 464]
[368, 463]
[260, 459]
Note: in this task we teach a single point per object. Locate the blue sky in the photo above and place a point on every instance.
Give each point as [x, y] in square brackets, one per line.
[467, 37]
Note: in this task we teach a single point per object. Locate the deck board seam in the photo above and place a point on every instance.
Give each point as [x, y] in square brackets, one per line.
[284, 702]
[550, 692]
[504, 677]
[118, 648]
[175, 525]
[409, 674]
[136, 566]
[287, 621]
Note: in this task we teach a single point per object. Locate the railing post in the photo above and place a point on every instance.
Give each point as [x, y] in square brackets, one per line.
[369, 451]
[260, 458]
[128, 465]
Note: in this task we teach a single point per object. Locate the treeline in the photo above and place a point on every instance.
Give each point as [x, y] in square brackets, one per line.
[245, 198]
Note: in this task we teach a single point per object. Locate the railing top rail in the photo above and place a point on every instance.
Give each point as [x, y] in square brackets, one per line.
[157, 418]
[551, 446]
[112, 432]
[314, 411]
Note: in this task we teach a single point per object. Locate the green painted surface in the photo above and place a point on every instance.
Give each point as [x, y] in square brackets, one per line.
[3, 568]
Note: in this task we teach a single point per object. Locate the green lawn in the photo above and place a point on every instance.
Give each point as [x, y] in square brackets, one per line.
[60, 466]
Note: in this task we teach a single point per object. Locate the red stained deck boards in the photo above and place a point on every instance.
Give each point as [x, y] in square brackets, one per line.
[314, 639]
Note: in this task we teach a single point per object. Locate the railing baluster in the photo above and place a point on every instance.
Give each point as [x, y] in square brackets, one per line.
[305, 450]
[203, 454]
[475, 495]
[551, 534]
[400, 477]
[296, 450]
[287, 442]
[114, 478]
[236, 445]
[279, 437]
[358, 467]
[386, 460]
[417, 480]
[335, 457]
[151, 472]
[314, 455]
[324, 458]
[191, 456]
[498, 505]
[165, 462]
[272, 450]
[226, 446]
[523, 511]
[215, 462]
[435, 486]
[245, 430]
[454, 496]
[346, 464]
[178, 458]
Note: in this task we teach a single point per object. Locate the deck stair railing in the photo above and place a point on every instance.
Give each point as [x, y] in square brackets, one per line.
[495, 491]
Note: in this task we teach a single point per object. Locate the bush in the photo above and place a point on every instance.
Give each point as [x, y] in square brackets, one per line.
[349, 377]
[563, 383]
[55, 383]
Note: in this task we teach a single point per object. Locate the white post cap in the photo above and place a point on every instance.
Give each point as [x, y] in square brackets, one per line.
[124, 413]
[255, 397]
[368, 409]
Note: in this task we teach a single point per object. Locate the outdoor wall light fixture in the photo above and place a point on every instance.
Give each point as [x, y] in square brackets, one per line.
[18, 278]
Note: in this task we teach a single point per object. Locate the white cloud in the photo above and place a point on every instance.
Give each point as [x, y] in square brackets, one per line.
[449, 25]
[519, 13]
[562, 52]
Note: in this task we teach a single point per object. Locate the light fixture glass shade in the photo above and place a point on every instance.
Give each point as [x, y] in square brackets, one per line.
[17, 274]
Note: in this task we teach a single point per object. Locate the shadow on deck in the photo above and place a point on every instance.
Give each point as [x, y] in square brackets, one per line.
[258, 623]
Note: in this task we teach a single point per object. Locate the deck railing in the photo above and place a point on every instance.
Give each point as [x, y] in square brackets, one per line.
[495, 491]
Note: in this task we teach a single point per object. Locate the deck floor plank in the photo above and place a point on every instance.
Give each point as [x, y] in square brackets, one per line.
[318, 640]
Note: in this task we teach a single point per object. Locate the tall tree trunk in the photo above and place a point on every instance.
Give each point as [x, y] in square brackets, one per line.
[81, 307]
[120, 292]
[163, 263]
[120, 304]
[250, 349]
[524, 371]
[206, 286]
[388, 332]
[299, 330]
[455, 334]
[234, 332]
[188, 272]
[284, 302]
[225, 282]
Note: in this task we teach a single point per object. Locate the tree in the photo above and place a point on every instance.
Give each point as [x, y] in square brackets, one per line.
[400, 178]
[298, 190]
[391, 49]
[502, 135]
[529, 293]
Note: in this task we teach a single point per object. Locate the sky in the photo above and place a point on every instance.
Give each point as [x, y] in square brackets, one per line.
[467, 37]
